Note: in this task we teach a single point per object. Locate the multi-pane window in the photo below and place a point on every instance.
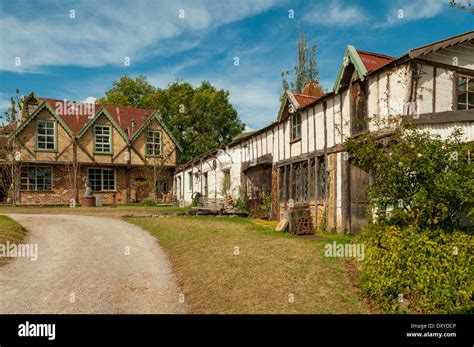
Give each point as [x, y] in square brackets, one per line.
[36, 178]
[296, 126]
[465, 93]
[45, 135]
[101, 179]
[153, 143]
[102, 139]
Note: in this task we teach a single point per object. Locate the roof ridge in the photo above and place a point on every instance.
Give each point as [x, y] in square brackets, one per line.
[98, 105]
[376, 54]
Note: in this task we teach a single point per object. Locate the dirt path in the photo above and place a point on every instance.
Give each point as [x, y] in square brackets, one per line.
[88, 265]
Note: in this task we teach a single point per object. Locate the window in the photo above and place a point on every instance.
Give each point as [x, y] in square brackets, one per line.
[45, 135]
[36, 178]
[102, 139]
[190, 180]
[226, 181]
[465, 93]
[322, 178]
[153, 143]
[163, 186]
[101, 180]
[296, 126]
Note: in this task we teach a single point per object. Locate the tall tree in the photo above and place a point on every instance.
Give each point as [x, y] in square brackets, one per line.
[305, 69]
[11, 114]
[200, 118]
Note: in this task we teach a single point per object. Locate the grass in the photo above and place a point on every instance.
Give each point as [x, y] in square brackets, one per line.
[270, 270]
[10, 231]
[106, 211]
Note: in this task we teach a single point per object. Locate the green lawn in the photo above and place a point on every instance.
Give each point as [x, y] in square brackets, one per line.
[10, 231]
[271, 269]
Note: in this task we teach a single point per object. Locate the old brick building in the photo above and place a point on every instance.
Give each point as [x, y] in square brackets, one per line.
[57, 143]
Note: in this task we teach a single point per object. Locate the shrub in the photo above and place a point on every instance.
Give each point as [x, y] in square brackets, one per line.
[148, 202]
[432, 269]
[243, 206]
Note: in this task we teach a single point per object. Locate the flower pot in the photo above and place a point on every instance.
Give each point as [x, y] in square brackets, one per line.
[88, 202]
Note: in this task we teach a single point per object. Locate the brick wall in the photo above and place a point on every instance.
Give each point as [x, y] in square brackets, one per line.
[62, 192]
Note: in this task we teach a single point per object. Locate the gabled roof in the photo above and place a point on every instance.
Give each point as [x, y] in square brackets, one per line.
[156, 116]
[287, 98]
[43, 104]
[127, 118]
[362, 62]
[432, 47]
[103, 112]
[310, 94]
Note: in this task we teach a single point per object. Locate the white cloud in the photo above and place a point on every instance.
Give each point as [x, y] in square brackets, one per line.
[335, 14]
[407, 11]
[106, 32]
[89, 100]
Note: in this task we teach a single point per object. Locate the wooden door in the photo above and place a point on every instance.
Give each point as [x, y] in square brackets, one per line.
[359, 181]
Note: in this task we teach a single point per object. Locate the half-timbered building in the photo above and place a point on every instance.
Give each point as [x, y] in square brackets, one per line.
[301, 159]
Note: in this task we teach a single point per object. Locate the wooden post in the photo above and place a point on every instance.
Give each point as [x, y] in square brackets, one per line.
[284, 186]
[345, 194]
[316, 186]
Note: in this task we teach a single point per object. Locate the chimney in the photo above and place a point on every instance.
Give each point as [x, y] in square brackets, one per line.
[133, 125]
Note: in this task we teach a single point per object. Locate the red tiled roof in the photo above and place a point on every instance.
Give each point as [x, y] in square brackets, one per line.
[7, 128]
[312, 89]
[310, 93]
[122, 115]
[373, 61]
[304, 100]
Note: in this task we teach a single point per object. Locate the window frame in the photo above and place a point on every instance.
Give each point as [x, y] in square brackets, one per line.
[46, 135]
[35, 167]
[102, 190]
[110, 143]
[226, 181]
[190, 181]
[153, 155]
[295, 125]
[465, 104]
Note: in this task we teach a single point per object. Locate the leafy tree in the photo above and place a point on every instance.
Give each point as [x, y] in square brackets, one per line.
[422, 179]
[200, 118]
[305, 69]
[130, 92]
[418, 248]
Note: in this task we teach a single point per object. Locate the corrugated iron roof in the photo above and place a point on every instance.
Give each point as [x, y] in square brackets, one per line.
[373, 61]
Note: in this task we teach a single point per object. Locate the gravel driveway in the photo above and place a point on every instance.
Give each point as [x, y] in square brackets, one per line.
[83, 267]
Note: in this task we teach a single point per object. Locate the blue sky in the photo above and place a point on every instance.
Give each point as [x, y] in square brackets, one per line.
[76, 58]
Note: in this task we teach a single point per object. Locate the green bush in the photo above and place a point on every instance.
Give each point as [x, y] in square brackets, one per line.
[432, 269]
[243, 206]
[148, 202]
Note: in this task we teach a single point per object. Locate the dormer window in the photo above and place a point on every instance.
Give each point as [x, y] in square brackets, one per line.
[153, 143]
[465, 93]
[102, 139]
[296, 126]
[46, 135]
